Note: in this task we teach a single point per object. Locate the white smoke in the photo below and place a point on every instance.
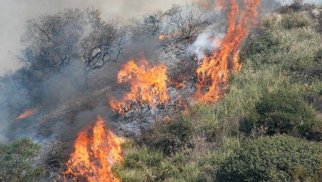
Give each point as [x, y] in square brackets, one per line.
[211, 37]
[286, 2]
[12, 96]
[15, 13]
[207, 41]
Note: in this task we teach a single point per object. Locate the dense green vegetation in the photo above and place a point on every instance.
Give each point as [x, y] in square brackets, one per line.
[279, 158]
[171, 137]
[267, 127]
[282, 112]
[18, 161]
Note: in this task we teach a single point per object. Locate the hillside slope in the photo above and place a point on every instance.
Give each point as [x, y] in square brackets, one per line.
[272, 106]
[265, 124]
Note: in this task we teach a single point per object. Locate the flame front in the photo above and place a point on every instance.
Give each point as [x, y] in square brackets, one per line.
[95, 151]
[148, 86]
[28, 113]
[213, 73]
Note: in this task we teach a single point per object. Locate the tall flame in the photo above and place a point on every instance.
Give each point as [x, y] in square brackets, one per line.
[95, 151]
[148, 85]
[213, 73]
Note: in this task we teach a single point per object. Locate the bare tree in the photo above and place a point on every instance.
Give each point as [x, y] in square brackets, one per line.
[149, 25]
[53, 41]
[185, 22]
[73, 35]
[103, 44]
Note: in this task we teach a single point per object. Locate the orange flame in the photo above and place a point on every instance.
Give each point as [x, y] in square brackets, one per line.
[95, 151]
[148, 86]
[162, 37]
[214, 71]
[28, 113]
[169, 36]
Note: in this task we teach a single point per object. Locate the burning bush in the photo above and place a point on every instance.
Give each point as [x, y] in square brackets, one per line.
[184, 148]
[148, 86]
[271, 59]
[214, 71]
[95, 151]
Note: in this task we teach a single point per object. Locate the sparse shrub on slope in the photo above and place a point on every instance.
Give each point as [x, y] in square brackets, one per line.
[144, 164]
[18, 161]
[320, 24]
[316, 66]
[314, 97]
[279, 158]
[306, 65]
[169, 137]
[290, 21]
[282, 112]
[297, 6]
[260, 47]
[289, 41]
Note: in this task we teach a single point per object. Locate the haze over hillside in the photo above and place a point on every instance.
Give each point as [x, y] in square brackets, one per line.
[15, 13]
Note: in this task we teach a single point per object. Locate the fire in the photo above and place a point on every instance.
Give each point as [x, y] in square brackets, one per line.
[213, 73]
[204, 3]
[148, 85]
[162, 37]
[28, 113]
[95, 151]
[169, 36]
[236, 65]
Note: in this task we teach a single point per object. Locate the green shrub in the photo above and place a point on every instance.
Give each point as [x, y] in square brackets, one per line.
[260, 47]
[143, 158]
[139, 165]
[314, 97]
[320, 24]
[18, 161]
[281, 112]
[144, 164]
[305, 66]
[279, 158]
[284, 43]
[169, 137]
[290, 21]
[316, 66]
[318, 56]
[296, 6]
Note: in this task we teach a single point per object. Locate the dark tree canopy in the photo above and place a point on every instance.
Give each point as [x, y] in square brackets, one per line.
[54, 41]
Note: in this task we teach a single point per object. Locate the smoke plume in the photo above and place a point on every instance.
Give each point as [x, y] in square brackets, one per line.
[15, 13]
